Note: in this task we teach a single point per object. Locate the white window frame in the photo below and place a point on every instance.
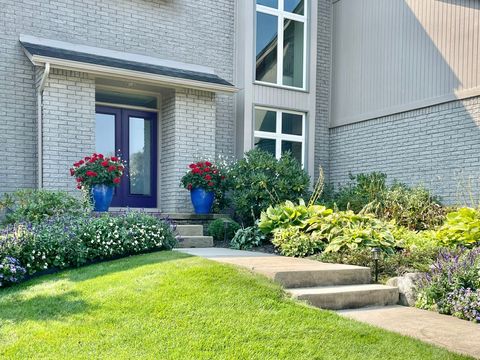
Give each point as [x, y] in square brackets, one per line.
[278, 136]
[281, 15]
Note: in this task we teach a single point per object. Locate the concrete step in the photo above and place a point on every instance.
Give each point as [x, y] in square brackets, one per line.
[190, 230]
[338, 275]
[347, 296]
[194, 241]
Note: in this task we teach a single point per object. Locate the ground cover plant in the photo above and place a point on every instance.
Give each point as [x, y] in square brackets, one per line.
[223, 228]
[166, 305]
[72, 241]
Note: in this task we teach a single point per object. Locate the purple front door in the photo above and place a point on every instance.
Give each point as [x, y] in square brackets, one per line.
[133, 135]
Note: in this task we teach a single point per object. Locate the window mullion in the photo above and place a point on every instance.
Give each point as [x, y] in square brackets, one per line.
[280, 49]
[278, 144]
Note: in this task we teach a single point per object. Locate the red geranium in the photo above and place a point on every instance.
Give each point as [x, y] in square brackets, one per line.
[203, 174]
[208, 177]
[97, 169]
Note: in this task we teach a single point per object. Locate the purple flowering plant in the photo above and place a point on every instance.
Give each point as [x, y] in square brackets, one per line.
[11, 271]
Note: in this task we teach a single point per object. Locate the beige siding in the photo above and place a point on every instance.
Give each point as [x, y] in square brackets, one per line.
[397, 55]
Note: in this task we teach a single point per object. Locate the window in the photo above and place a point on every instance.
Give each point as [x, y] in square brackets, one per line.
[281, 22]
[279, 131]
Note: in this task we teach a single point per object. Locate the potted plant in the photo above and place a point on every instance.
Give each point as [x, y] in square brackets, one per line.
[98, 175]
[203, 180]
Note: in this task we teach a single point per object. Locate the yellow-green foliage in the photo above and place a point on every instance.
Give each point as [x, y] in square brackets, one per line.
[462, 227]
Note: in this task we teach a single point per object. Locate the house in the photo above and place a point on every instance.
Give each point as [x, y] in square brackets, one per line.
[356, 86]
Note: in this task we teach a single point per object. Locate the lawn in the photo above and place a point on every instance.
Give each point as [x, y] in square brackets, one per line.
[167, 305]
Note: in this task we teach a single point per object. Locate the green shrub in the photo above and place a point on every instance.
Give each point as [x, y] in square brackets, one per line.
[246, 238]
[461, 227]
[71, 241]
[289, 214]
[409, 239]
[260, 180]
[220, 228]
[292, 241]
[37, 205]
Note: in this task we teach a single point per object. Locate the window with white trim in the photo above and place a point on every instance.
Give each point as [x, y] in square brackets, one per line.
[281, 22]
[279, 131]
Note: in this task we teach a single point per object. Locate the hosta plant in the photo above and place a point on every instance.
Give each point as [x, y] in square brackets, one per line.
[462, 227]
[247, 238]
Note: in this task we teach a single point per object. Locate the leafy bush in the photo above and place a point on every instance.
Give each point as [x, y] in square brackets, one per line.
[292, 241]
[412, 207]
[260, 180]
[11, 271]
[289, 214]
[410, 240]
[246, 238]
[461, 227]
[441, 287]
[220, 228]
[37, 205]
[72, 241]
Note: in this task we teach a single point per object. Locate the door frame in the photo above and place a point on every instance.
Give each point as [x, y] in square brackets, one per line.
[122, 196]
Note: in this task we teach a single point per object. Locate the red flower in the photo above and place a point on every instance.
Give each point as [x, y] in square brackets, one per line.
[207, 169]
[79, 180]
[196, 171]
[81, 162]
[120, 167]
[79, 187]
[91, 173]
[72, 172]
[189, 186]
[199, 164]
[87, 158]
[105, 163]
[210, 183]
[208, 163]
[92, 160]
[208, 177]
[215, 171]
[100, 156]
[114, 158]
[76, 164]
[192, 166]
[223, 177]
[116, 180]
[112, 168]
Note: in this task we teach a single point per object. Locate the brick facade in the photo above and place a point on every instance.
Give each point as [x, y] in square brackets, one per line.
[438, 147]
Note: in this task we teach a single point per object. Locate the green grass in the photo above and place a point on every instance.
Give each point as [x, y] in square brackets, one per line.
[170, 306]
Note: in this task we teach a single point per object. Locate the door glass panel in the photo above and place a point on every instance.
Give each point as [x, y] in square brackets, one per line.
[294, 147]
[293, 53]
[140, 156]
[266, 48]
[267, 145]
[291, 124]
[265, 120]
[294, 6]
[105, 134]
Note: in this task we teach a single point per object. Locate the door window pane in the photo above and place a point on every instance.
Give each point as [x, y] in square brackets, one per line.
[267, 145]
[266, 47]
[292, 124]
[140, 156]
[269, 3]
[293, 53]
[105, 134]
[294, 6]
[294, 147]
[265, 120]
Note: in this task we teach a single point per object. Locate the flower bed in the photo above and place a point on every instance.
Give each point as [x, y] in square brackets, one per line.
[72, 241]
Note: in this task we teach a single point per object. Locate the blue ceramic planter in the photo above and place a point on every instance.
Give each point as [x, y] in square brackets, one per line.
[202, 200]
[102, 197]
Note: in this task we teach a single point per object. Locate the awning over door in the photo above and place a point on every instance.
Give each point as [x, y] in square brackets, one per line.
[105, 62]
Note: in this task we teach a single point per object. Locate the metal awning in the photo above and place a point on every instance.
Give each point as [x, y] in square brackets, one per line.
[118, 64]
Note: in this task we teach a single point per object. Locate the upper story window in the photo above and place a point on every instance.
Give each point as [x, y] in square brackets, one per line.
[281, 42]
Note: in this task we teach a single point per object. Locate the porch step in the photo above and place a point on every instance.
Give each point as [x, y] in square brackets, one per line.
[190, 230]
[194, 241]
[347, 296]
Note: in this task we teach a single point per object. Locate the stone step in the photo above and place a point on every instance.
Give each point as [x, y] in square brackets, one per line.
[190, 230]
[322, 277]
[347, 296]
[194, 241]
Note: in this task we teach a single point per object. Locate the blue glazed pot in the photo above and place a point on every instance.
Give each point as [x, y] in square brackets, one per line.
[102, 197]
[202, 200]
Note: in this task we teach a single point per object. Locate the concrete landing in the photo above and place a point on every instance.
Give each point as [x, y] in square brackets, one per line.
[446, 331]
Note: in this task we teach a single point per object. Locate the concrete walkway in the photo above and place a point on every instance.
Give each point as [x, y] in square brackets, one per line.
[451, 333]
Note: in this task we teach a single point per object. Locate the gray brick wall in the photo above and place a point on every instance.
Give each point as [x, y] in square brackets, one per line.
[68, 126]
[438, 147]
[323, 85]
[199, 32]
[188, 134]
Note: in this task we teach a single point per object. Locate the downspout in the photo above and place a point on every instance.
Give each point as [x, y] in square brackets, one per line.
[40, 89]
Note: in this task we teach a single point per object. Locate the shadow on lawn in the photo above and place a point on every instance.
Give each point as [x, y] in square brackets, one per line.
[42, 307]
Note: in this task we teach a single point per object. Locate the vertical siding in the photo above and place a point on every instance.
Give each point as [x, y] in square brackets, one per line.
[397, 55]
